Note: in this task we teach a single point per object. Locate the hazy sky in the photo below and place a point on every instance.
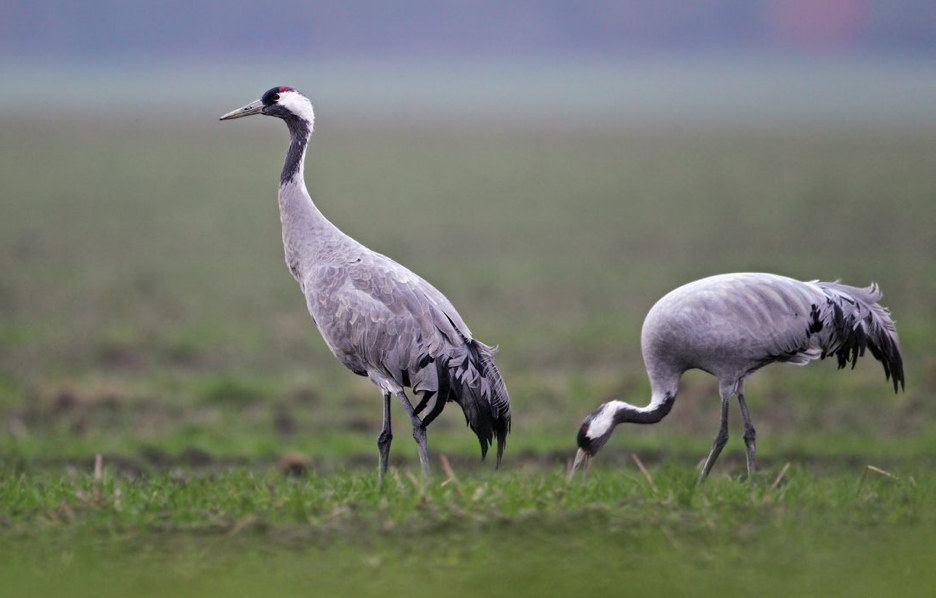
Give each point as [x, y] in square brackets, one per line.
[114, 29]
[754, 63]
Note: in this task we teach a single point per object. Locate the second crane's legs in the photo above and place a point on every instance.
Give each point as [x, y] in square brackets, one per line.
[750, 434]
[385, 438]
[721, 438]
[419, 433]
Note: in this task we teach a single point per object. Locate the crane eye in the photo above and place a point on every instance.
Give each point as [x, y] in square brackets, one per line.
[275, 97]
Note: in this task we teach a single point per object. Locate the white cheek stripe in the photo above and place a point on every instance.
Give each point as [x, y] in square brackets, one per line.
[298, 104]
[601, 423]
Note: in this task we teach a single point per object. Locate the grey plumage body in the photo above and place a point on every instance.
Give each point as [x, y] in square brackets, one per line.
[378, 318]
[734, 324]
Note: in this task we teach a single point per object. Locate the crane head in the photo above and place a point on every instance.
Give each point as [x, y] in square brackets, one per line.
[593, 434]
[281, 102]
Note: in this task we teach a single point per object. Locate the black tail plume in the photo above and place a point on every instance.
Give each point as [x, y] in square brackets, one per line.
[477, 386]
[856, 320]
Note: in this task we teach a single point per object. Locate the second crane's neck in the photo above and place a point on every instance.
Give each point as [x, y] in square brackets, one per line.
[658, 408]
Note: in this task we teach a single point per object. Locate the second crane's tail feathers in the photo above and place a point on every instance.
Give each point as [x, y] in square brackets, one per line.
[855, 320]
[476, 385]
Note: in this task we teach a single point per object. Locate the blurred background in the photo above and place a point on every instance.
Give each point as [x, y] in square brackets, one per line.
[553, 167]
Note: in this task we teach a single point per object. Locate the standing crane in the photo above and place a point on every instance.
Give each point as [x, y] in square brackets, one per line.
[378, 318]
[734, 324]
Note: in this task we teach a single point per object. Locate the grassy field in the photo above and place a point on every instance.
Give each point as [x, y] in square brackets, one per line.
[518, 533]
[147, 315]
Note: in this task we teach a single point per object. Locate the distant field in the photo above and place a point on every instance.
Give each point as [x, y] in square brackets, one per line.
[146, 314]
[146, 305]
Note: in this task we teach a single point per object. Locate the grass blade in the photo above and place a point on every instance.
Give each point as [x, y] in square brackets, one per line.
[643, 470]
[779, 477]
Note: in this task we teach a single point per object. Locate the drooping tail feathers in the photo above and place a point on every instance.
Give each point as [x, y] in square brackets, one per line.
[851, 320]
[470, 378]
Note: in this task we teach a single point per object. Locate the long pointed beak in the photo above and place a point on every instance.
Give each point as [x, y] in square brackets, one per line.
[252, 108]
[582, 460]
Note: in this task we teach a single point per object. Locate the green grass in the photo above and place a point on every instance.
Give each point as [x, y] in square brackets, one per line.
[521, 533]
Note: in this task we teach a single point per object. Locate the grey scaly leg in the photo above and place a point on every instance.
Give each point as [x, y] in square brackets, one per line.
[384, 439]
[750, 436]
[419, 433]
[719, 443]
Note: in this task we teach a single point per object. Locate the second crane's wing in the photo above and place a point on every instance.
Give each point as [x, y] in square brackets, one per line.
[771, 316]
[378, 315]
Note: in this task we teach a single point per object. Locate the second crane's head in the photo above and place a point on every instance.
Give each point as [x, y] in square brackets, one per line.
[594, 433]
[281, 102]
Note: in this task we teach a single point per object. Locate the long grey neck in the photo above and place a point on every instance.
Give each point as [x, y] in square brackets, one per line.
[664, 383]
[306, 231]
[299, 133]
[297, 211]
[658, 408]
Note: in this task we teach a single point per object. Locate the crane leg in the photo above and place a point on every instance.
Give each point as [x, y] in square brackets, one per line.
[750, 436]
[720, 439]
[419, 433]
[384, 439]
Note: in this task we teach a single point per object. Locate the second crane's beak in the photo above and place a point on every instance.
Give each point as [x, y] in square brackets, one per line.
[583, 461]
[254, 107]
